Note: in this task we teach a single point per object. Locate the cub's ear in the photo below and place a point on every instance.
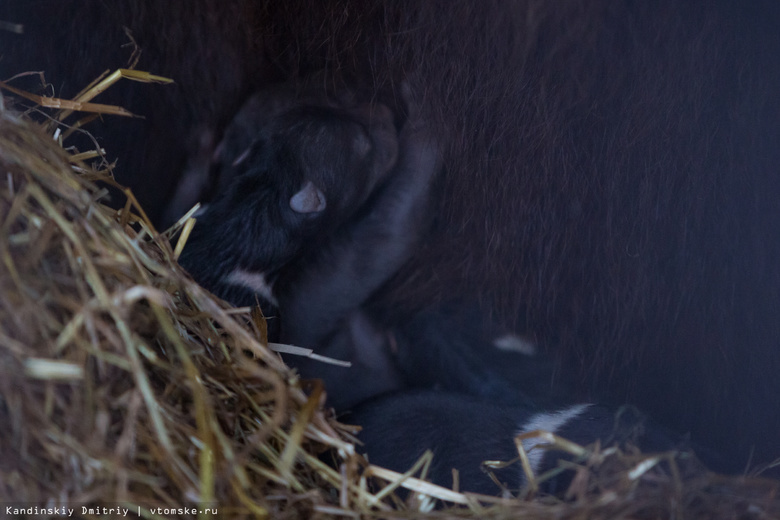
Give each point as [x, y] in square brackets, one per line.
[308, 200]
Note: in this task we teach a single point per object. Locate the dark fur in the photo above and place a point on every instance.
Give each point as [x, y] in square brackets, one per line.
[322, 266]
[463, 432]
[279, 143]
[327, 284]
[612, 178]
[453, 349]
[322, 294]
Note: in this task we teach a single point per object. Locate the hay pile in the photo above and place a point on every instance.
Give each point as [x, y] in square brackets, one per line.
[121, 380]
[123, 384]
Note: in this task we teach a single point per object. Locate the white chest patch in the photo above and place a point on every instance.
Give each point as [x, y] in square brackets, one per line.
[252, 280]
[514, 343]
[550, 422]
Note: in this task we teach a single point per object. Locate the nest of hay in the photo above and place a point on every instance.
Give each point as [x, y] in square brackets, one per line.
[125, 385]
[124, 382]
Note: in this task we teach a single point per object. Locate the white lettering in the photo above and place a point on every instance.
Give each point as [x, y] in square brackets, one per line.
[38, 511]
[104, 511]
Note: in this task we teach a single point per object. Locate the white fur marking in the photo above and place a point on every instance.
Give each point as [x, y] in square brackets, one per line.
[252, 280]
[514, 343]
[242, 157]
[550, 422]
